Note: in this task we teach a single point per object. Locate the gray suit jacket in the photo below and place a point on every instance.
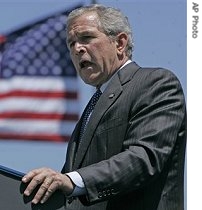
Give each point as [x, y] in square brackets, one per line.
[132, 154]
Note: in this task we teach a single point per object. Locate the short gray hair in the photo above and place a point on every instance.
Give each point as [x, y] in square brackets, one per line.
[111, 21]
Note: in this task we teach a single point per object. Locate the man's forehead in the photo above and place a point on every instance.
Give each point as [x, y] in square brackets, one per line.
[86, 19]
[79, 29]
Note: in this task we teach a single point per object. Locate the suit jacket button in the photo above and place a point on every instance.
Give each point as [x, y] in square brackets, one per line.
[104, 193]
[108, 192]
[100, 194]
[111, 95]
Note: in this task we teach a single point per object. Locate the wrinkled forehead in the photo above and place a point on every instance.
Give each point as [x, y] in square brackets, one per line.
[87, 19]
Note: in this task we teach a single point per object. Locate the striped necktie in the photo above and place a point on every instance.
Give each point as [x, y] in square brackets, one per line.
[88, 110]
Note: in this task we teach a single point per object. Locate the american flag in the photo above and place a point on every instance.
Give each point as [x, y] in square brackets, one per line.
[38, 83]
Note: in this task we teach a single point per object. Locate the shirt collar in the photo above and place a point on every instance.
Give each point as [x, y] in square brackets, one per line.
[103, 87]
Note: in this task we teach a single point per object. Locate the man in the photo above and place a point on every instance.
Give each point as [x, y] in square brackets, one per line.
[130, 154]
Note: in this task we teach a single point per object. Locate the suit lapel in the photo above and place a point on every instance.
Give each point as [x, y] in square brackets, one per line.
[110, 95]
[72, 146]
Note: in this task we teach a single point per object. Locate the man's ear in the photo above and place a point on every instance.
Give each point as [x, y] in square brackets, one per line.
[121, 43]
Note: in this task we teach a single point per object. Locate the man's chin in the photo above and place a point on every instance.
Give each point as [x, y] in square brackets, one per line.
[91, 82]
[94, 79]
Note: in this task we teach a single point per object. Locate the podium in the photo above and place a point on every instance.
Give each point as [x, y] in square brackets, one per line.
[12, 198]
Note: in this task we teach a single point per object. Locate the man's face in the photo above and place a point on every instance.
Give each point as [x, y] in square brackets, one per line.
[94, 55]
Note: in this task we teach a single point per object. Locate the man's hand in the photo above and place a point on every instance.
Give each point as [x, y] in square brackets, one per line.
[49, 182]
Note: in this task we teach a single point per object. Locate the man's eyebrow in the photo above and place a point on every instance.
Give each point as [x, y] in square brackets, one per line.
[81, 33]
[78, 34]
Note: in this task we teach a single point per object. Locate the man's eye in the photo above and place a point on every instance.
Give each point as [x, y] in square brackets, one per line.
[86, 38]
[71, 44]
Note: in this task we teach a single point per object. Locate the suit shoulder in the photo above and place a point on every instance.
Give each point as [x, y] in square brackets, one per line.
[156, 70]
[157, 73]
[148, 77]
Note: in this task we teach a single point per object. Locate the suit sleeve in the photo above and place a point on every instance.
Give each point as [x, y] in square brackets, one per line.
[156, 117]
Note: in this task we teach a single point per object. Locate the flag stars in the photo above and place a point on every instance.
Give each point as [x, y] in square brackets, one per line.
[31, 55]
[57, 42]
[37, 63]
[49, 63]
[59, 26]
[56, 70]
[44, 56]
[31, 70]
[44, 41]
[20, 70]
[51, 34]
[37, 35]
[12, 64]
[31, 42]
[24, 49]
[55, 56]
[7, 73]
[44, 70]
[18, 56]
[40, 50]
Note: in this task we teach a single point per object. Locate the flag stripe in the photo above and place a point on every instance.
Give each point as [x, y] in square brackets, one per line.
[34, 137]
[39, 105]
[29, 126]
[57, 84]
[31, 115]
[34, 94]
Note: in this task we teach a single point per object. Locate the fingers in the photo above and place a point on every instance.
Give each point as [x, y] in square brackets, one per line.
[45, 191]
[48, 181]
[49, 191]
[43, 177]
[34, 178]
[30, 175]
[59, 181]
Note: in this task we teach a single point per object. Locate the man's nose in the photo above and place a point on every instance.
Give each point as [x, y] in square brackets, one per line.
[79, 48]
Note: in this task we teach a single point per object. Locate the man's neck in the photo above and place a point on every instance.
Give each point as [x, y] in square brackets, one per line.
[103, 86]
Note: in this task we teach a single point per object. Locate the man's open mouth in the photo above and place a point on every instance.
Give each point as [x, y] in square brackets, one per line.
[84, 64]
